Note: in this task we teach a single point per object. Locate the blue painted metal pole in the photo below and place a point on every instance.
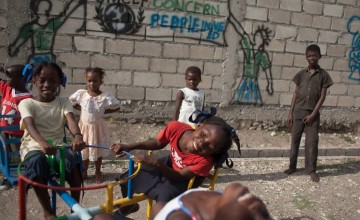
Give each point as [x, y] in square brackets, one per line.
[131, 171]
[82, 213]
[92, 210]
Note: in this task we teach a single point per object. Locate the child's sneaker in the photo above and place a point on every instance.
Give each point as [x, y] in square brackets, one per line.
[4, 185]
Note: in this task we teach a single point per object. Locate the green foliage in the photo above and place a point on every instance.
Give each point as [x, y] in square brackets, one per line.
[330, 217]
[150, 138]
[301, 202]
[346, 138]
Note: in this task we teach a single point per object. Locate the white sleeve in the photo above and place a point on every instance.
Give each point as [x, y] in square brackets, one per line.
[76, 97]
[26, 110]
[112, 102]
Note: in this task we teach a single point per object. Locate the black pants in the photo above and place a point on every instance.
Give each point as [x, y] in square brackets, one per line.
[311, 140]
[152, 183]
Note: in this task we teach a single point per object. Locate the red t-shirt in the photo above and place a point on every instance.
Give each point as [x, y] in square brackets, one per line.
[9, 106]
[198, 164]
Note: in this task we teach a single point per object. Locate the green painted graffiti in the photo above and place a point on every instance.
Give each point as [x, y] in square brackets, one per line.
[42, 30]
[255, 60]
[187, 6]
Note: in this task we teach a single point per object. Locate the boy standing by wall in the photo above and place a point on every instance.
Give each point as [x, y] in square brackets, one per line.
[310, 93]
[190, 98]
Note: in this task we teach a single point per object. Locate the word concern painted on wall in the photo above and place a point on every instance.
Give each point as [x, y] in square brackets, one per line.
[194, 19]
[191, 24]
[199, 20]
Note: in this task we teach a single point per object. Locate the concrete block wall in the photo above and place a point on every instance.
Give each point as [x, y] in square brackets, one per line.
[149, 64]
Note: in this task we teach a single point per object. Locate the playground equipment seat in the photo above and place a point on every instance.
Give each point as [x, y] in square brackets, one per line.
[208, 183]
[9, 160]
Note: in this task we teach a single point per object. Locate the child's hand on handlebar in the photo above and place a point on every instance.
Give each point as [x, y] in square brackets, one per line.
[47, 148]
[78, 144]
[118, 148]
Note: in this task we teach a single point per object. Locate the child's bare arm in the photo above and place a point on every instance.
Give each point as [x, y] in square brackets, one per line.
[292, 106]
[107, 111]
[293, 100]
[77, 107]
[34, 133]
[184, 174]
[145, 145]
[309, 119]
[77, 143]
[320, 101]
[178, 101]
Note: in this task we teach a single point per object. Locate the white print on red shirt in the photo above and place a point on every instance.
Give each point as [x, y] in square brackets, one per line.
[177, 159]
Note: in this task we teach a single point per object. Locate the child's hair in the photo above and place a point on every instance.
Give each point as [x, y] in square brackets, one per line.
[229, 135]
[206, 117]
[97, 70]
[313, 48]
[53, 66]
[194, 70]
[16, 68]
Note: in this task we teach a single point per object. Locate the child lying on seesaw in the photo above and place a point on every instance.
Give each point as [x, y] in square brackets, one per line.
[193, 153]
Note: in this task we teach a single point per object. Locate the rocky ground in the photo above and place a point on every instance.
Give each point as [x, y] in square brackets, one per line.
[336, 196]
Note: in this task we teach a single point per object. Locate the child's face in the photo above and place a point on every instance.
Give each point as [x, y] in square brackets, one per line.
[207, 139]
[235, 203]
[192, 80]
[93, 81]
[15, 77]
[47, 83]
[312, 57]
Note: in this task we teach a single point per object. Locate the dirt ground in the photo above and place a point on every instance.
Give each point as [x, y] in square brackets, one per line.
[336, 196]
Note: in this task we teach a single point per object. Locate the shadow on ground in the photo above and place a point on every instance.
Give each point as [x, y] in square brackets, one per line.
[299, 218]
[350, 166]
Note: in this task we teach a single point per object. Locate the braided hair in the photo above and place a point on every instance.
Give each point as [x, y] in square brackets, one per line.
[96, 70]
[205, 117]
[51, 65]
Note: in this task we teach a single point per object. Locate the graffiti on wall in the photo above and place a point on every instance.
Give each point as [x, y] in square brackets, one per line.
[200, 20]
[41, 31]
[182, 18]
[354, 54]
[193, 19]
[255, 60]
[116, 16]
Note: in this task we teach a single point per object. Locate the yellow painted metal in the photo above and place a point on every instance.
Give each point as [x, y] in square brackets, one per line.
[212, 177]
[110, 203]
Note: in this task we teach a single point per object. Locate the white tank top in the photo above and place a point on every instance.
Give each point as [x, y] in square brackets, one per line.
[176, 204]
[193, 100]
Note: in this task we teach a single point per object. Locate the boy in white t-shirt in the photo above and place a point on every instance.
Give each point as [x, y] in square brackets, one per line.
[190, 98]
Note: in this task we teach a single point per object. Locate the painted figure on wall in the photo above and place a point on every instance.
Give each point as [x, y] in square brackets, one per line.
[256, 59]
[116, 16]
[354, 54]
[42, 30]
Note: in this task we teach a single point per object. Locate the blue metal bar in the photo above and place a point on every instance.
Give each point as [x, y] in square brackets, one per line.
[96, 146]
[53, 200]
[12, 141]
[10, 128]
[131, 171]
[10, 116]
[83, 213]
[92, 210]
